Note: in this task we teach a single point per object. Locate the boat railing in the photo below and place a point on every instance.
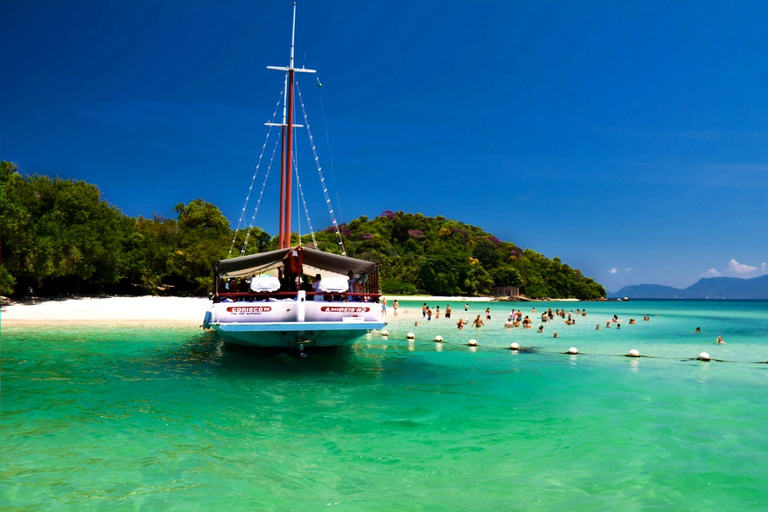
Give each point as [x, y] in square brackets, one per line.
[312, 296]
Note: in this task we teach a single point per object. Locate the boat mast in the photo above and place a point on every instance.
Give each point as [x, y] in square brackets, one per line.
[281, 228]
[286, 160]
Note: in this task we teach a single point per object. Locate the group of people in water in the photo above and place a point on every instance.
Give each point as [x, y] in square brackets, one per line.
[515, 319]
[518, 319]
[428, 314]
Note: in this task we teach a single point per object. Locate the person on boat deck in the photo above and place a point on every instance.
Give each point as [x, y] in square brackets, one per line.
[244, 287]
[288, 282]
[306, 285]
[355, 286]
[316, 284]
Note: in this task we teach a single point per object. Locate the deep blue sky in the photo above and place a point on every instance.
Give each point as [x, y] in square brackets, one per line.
[630, 139]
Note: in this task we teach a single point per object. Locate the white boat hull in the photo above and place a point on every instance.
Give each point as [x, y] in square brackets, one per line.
[293, 323]
[292, 335]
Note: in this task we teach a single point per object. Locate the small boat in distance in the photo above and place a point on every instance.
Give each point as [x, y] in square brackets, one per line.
[264, 300]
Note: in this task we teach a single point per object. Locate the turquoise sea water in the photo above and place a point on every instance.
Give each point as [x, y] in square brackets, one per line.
[143, 418]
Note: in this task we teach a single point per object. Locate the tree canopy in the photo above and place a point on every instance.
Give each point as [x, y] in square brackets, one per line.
[59, 236]
[439, 256]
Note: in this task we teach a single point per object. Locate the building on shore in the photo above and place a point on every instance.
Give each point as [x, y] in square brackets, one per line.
[509, 292]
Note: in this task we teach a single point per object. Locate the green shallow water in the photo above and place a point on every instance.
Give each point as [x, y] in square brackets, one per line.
[146, 418]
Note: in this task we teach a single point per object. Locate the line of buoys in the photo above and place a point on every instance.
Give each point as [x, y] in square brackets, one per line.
[703, 356]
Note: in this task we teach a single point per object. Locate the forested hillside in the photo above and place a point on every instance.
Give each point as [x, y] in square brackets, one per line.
[446, 257]
[58, 236]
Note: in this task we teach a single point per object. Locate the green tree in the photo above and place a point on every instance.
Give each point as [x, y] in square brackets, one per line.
[59, 235]
[204, 238]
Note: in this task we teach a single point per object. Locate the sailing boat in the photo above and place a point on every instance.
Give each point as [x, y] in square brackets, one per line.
[275, 309]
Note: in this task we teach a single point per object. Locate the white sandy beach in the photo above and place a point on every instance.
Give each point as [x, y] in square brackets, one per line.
[149, 309]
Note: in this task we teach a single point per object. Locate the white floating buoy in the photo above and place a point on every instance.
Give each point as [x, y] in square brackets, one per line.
[515, 346]
[703, 357]
[472, 343]
[411, 336]
[573, 350]
[634, 353]
[438, 339]
[385, 332]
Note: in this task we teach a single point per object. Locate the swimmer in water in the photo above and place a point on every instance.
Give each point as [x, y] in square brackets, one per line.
[720, 340]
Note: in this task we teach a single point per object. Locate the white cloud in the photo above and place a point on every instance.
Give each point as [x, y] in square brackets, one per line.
[628, 269]
[613, 270]
[739, 269]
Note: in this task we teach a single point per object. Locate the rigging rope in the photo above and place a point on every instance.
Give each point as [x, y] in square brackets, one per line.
[322, 178]
[330, 155]
[304, 202]
[258, 202]
[253, 180]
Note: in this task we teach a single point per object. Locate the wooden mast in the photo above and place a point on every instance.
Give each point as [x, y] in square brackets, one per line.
[286, 158]
[281, 228]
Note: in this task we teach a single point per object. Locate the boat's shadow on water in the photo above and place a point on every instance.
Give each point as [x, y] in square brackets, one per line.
[208, 353]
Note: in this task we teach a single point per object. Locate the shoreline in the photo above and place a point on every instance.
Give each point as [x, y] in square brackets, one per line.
[147, 309]
[121, 310]
[154, 310]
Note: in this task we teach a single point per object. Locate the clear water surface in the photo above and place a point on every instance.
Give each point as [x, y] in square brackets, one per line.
[142, 418]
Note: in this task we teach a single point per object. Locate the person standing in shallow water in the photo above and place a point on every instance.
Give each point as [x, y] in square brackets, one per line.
[394, 306]
[447, 311]
[477, 322]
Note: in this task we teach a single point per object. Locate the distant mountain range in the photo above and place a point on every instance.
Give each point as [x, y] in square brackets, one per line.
[706, 288]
